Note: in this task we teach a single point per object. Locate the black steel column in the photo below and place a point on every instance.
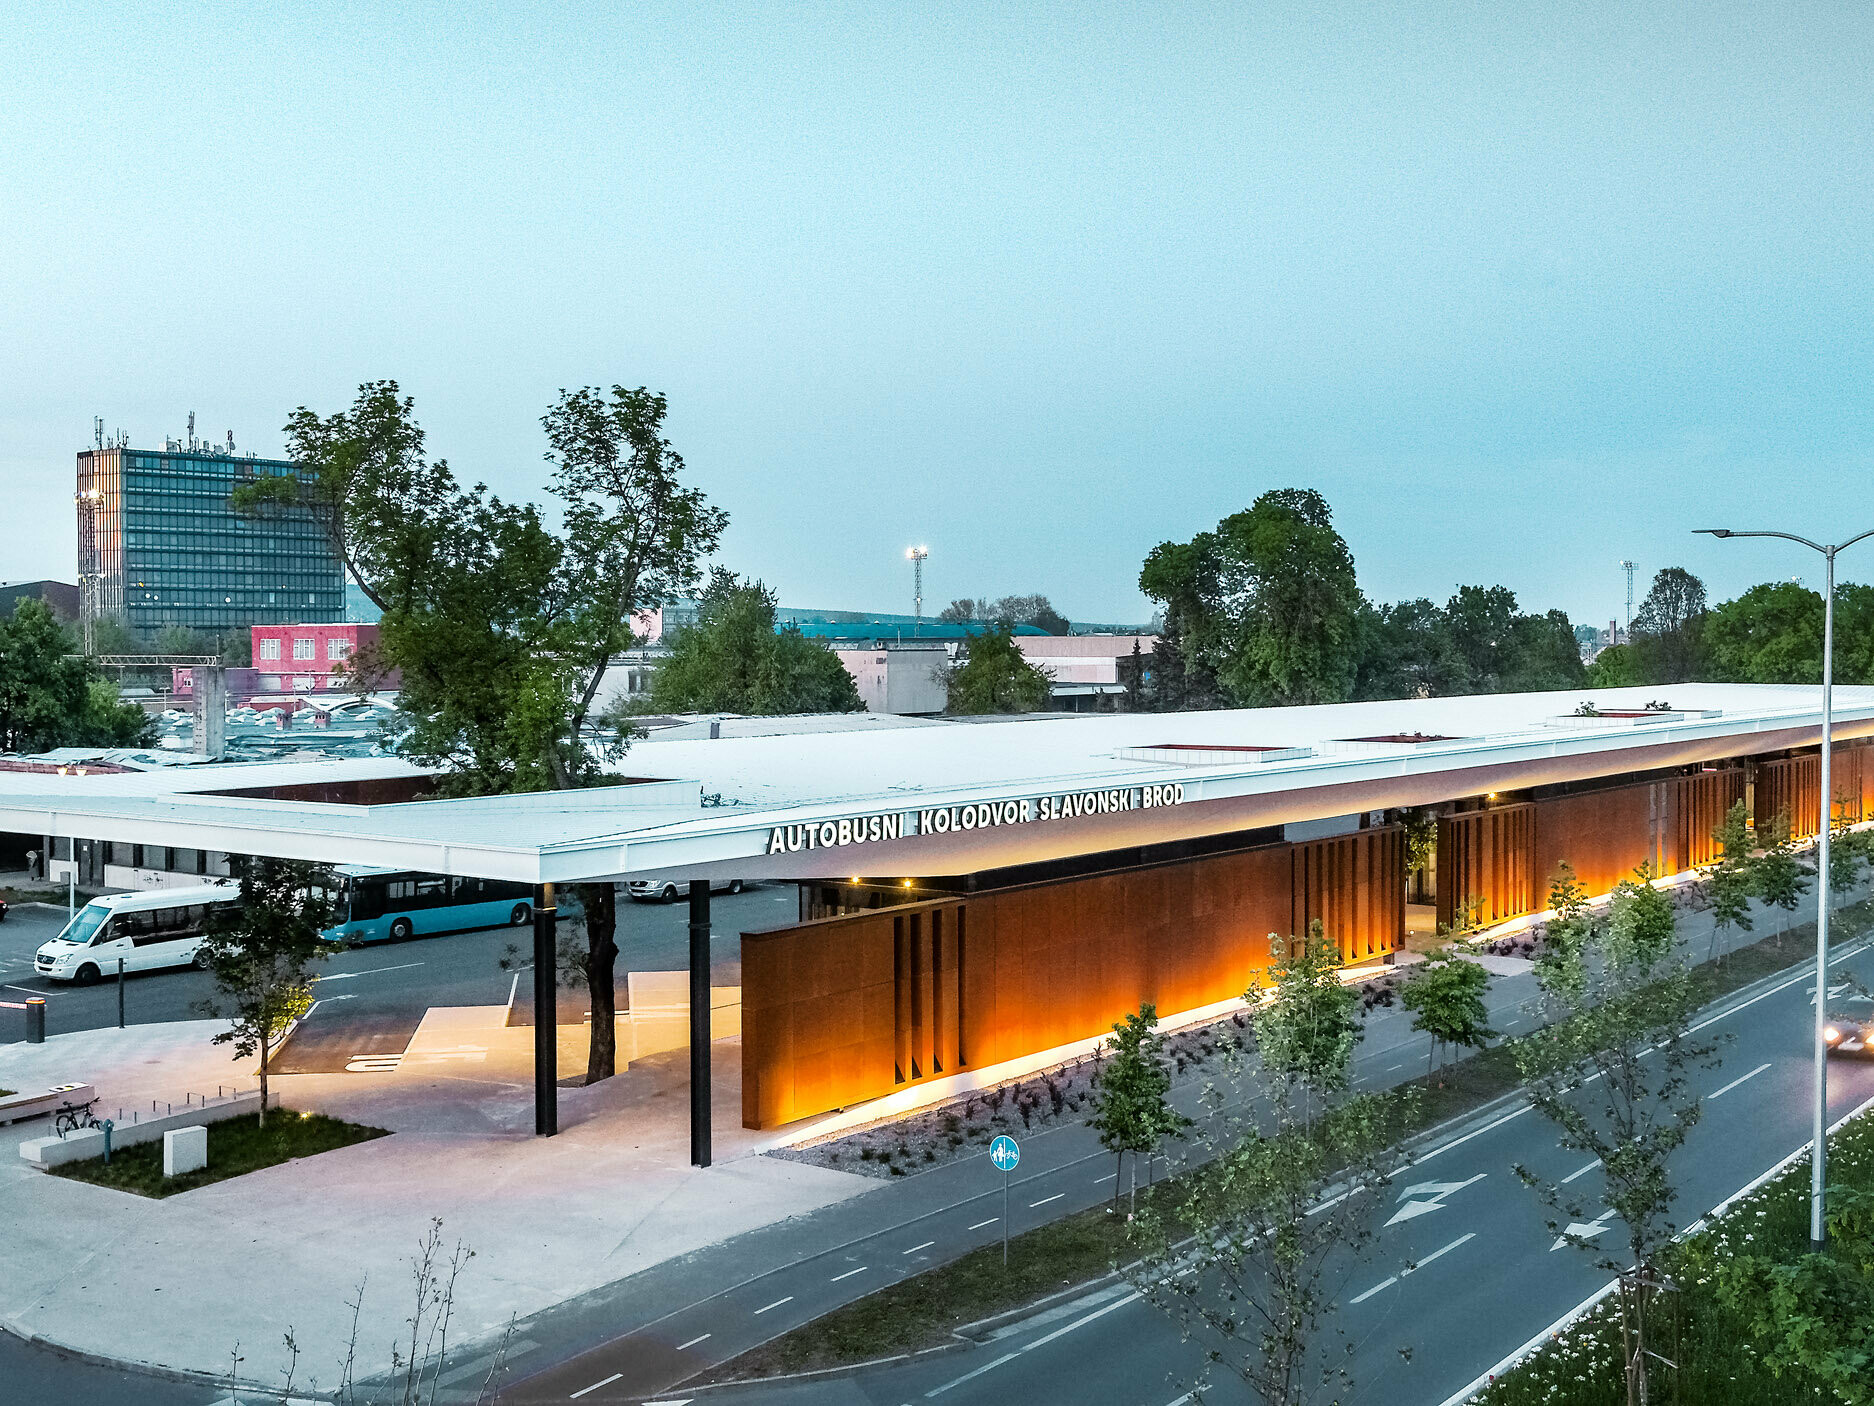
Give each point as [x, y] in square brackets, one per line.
[546, 1015]
[699, 1022]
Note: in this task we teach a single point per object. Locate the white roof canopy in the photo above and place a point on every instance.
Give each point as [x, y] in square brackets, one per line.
[718, 802]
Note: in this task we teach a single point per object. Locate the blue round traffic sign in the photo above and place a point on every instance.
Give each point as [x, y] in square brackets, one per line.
[1004, 1153]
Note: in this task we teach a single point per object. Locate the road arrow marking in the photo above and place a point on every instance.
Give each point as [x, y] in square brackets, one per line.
[1431, 1194]
[1582, 1232]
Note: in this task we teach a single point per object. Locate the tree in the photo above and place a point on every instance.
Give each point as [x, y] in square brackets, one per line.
[1732, 879]
[1772, 633]
[1307, 1029]
[996, 677]
[1267, 601]
[1028, 610]
[1544, 655]
[50, 696]
[261, 952]
[1251, 1250]
[1505, 651]
[1614, 667]
[1407, 651]
[1446, 997]
[1180, 576]
[734, 661]
[1778, 877]
[1667, 627]
[362, 476]
[1132, 1109]
[1283, 1216]
[959, 612]
[1288, 603]
[501, 627]
[1610, 1070]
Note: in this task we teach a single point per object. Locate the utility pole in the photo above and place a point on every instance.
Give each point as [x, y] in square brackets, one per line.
[917, 556]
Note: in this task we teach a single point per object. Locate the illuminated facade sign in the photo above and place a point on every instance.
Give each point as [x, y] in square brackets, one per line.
[982, 815]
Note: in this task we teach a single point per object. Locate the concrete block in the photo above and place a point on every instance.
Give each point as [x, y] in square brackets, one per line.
[185, 1150]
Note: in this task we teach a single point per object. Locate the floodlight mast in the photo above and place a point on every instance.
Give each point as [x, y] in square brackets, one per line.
[1818, 1159]
[917, 556]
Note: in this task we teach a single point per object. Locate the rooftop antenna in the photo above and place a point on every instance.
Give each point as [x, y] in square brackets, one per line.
[97, 430]
[917, 557]
[1627, 567]
[230, 442]
[191, 431]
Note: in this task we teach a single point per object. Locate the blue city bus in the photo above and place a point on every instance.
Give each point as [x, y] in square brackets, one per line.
[379, 905]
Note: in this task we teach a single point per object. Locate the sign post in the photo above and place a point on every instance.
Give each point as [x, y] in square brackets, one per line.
[1007, 1156]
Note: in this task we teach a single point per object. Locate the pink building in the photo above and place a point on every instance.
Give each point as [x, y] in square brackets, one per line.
[309, 658]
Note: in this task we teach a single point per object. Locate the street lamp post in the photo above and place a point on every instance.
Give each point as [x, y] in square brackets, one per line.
[1818, 1157]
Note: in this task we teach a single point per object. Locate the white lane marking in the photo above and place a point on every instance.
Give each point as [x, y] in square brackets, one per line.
[1080, 1322]
[925, 1246]
[1110, 1176]
[1591, 1231]
[1435, 1254]
[986, 1367]
[1062, 1331]
[595, 1386]
[369, 971]
[1385, 1283]
[847, 1275]
[1389, 1068]
[1393, 1279]
[682, 1347]
[1740, 1079]
[981, 1223]
[1045, 1199]
[776, 1304]
[1580, 1171]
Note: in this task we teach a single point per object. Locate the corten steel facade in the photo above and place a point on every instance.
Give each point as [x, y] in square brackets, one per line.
[159, 544]
[840, 1010]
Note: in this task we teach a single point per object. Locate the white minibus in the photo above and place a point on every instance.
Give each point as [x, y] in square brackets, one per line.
[146, 930]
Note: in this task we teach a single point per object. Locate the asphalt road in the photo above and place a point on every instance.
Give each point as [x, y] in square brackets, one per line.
[373, 992]
[1464, 1269]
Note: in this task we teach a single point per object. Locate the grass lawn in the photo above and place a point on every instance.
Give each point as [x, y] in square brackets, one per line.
[236, 1146]
[926, 1309]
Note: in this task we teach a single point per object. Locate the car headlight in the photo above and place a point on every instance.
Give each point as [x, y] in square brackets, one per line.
[1831, 1034]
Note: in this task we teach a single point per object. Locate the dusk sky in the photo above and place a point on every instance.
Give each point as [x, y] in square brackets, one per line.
[1522, 290]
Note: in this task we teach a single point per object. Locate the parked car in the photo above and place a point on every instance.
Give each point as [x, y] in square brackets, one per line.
[1850, 1028]
[669, 890]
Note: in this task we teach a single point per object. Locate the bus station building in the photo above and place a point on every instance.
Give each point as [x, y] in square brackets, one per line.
[978, 899]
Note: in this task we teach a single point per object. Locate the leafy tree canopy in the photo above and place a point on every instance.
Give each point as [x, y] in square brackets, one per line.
[733, 660]
[1668, 628]
[50, 696]
[996, 677]
[1267, 601]
[1614, 667]
[1770, 634]
[1021, 610]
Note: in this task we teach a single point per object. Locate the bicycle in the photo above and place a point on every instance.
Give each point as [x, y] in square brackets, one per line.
[75, 1118]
